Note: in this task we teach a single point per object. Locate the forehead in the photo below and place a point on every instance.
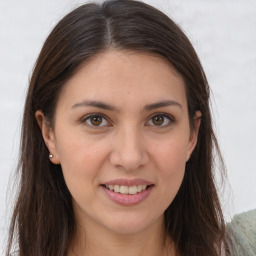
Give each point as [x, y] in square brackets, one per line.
[124, 78]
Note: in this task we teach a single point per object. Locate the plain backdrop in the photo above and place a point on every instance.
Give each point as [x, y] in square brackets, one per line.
[224, 35]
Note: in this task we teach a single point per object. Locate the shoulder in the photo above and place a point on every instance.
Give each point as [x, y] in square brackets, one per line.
[242, 232]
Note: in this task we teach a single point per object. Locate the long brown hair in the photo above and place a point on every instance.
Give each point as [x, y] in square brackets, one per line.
[43, 221]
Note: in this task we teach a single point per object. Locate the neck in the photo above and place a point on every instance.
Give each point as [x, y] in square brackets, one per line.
[99, 241]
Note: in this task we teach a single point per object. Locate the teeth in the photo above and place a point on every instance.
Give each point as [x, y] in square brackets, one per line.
[124, 190]
[116, 188]
[132, 190]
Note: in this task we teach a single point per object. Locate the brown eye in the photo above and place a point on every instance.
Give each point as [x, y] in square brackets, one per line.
[158, 120]
[96, 120]
[161, 120]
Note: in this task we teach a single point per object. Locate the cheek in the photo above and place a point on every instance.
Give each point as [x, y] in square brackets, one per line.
[81, 159]
[170, 163]
[81, 163]
[170, 155]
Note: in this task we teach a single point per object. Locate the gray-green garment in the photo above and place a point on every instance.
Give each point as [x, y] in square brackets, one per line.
[242, 230]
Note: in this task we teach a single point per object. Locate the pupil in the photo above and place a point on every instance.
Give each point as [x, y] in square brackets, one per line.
[158, 120]
[96, 120]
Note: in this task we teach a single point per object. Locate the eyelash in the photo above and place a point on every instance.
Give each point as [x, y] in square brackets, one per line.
[88, 117]
[170, 120]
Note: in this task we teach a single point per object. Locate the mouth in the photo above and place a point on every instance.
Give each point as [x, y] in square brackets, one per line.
[127, 190]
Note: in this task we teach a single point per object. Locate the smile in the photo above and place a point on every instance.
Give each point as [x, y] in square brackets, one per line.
[125, 190]
[127, 193]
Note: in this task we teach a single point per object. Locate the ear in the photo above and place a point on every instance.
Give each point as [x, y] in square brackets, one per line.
[194, 134]
[48, 136]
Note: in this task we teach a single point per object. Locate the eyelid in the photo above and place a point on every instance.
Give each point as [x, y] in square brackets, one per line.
[88, 116]
[166, 115]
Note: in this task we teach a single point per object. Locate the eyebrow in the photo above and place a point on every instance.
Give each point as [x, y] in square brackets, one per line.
[96, 104]
[102, 105]
[160, 104]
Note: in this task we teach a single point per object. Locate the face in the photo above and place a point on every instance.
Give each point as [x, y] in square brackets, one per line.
[122, 137]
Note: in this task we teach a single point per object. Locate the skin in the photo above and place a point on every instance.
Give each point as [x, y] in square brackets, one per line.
[129, 143]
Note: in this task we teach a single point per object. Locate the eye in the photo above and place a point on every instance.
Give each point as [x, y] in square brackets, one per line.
[95, 120]
[161, 120]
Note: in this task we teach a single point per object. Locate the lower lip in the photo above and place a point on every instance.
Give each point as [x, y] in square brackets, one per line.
[127, 200]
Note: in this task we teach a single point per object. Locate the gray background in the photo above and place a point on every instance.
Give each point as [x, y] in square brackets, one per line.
[224, 35]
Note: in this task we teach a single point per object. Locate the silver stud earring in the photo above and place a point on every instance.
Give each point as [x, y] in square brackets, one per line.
[50, 156]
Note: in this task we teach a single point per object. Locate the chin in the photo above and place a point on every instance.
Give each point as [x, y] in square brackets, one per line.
[131, 223]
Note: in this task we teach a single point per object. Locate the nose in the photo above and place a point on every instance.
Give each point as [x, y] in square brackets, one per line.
[128, 149]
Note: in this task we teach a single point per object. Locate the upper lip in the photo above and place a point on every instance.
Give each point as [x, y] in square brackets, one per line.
[129, 183]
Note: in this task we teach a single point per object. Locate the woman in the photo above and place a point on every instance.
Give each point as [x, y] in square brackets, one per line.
[117, 141]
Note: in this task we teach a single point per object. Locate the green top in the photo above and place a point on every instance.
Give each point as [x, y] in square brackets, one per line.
[242, 230]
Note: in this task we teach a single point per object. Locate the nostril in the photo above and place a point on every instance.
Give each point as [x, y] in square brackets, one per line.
[129, 153]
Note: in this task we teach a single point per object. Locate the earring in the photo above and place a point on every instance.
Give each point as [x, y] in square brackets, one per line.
[50, 156]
